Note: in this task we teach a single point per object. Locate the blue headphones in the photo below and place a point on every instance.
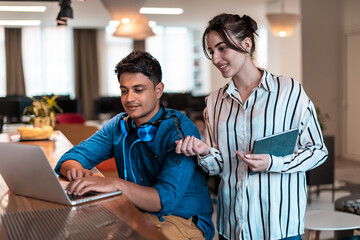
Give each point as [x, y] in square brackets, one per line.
[145, 132]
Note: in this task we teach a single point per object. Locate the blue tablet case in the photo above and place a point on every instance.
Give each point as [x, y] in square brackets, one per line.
[279, 144]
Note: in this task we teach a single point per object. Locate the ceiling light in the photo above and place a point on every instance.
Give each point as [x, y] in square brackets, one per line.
[283, 24]
[66, 11]
[125, 20]
[152, 24]
[20, 22]
[62, 23]
[282, 33]
[137, 30]
[22, 8]
[152, 10]
[60, 20]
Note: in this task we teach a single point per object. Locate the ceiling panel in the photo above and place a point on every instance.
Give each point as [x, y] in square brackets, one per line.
[92, 13]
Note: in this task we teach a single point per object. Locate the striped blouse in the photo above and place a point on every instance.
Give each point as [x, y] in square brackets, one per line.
[270, 204]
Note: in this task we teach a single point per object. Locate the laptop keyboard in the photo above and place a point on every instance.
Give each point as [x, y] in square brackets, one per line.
[77, 197]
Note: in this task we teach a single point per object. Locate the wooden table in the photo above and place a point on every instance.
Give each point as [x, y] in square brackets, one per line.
[119, 205]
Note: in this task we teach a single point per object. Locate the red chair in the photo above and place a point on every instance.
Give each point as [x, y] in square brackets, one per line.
[78, 132]
[69, 118]
[107, 165]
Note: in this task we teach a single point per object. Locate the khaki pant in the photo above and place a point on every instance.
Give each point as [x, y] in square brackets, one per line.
[176, 228]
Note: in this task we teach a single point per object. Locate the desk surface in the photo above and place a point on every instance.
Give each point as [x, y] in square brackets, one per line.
[119, 206]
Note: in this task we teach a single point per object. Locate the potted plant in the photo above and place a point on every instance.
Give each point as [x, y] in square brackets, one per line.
[322, 118]
[42, 111]
[323, 174]
[42, 117]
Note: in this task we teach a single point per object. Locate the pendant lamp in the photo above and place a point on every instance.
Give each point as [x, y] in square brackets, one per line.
[283, 24]
[138, 28]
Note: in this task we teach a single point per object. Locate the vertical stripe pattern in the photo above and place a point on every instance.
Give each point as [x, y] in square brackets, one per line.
[270, 204]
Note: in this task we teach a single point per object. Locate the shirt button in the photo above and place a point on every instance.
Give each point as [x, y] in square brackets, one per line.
[141, 179]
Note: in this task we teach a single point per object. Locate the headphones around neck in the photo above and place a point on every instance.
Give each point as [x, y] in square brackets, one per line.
[145, 131]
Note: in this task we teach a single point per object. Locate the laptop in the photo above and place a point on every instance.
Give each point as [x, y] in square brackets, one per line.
[27, 172]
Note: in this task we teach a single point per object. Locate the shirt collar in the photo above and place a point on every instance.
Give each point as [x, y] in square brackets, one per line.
[157, 116]
[266, 83]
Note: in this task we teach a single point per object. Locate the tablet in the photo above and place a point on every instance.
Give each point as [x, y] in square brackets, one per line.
[279, 144]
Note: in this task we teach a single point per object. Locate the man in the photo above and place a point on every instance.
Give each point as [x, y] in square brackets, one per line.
[168, 187]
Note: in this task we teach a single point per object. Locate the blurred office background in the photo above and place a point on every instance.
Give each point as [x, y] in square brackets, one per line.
[77, 61]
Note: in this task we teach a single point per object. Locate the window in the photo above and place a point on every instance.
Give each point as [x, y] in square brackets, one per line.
[173, 47]
[261, 55]
[2, 63]
[116, 49]
[48, 61]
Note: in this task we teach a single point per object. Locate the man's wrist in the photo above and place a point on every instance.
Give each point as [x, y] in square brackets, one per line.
[121, 185]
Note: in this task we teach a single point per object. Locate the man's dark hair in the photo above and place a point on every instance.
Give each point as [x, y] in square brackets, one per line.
[140, 62]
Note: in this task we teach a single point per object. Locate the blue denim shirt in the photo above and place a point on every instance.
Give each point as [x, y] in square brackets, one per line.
[178, 180]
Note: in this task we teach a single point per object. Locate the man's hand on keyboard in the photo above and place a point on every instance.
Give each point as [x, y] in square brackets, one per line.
[83, 185]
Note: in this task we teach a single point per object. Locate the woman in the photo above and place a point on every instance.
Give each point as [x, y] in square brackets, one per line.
[261, 196]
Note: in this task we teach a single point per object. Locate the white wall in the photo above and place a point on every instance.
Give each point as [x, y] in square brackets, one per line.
[322, 54]
[351, 16]
[326, 23]
[349, 80]
[325, 60]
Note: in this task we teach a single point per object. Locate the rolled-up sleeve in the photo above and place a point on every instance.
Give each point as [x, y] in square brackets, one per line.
[92, 151]
[310, 150]
[211, 163]
[173, 181]
[176, 173]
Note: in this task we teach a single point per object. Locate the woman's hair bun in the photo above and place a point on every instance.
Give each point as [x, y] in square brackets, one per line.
[250, 22]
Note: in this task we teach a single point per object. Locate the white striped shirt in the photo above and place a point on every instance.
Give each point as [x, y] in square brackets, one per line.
[270, 204]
